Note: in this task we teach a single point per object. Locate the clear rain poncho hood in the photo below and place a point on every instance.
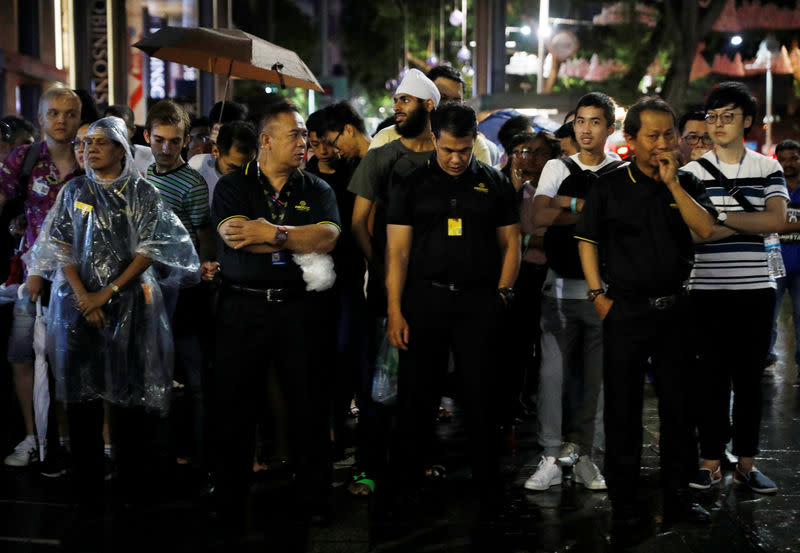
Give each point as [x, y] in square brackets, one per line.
[100, 226]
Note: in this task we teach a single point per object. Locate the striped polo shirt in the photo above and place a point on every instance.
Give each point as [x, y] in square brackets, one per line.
[738, 262]
[186, 192]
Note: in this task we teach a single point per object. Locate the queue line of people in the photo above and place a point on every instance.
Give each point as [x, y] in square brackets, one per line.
[600, 261]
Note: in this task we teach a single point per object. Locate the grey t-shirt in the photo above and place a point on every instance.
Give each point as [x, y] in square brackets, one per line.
[372, 177]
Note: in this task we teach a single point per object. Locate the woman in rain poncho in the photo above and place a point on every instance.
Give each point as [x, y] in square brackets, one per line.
[108, 332]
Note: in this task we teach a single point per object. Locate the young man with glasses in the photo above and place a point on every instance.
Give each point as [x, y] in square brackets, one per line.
[695, 140]
[731, 282]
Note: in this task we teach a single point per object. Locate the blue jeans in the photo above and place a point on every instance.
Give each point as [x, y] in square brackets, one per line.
[790, 282]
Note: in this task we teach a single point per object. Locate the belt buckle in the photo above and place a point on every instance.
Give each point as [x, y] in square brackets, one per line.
[664, 302]
[273, 295]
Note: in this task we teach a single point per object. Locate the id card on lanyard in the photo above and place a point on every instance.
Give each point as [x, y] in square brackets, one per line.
[455, 225]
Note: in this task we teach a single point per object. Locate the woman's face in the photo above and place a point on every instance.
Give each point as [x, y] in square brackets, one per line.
[103, 155]
[78, 147]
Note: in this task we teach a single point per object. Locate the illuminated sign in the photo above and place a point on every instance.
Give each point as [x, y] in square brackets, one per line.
[98, 31]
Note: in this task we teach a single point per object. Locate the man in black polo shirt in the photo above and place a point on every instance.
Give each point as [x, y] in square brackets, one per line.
[453, 255]
[635, 234]
[265, 213]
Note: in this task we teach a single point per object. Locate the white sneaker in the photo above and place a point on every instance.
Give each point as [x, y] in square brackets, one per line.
[568, 454]
[24, 454]
[547, 474]
[587, 473]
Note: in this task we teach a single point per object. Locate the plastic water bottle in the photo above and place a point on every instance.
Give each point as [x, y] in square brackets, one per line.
[772, 245]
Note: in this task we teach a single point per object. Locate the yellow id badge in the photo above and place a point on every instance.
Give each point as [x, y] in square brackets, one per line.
[454, 227]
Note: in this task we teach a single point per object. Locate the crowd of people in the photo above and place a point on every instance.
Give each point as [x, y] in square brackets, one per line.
[263, 268]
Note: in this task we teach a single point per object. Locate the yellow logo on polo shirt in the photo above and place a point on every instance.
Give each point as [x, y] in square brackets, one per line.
[302, 206]
[481, 188]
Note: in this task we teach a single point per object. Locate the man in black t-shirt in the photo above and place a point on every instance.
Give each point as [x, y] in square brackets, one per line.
[266, 213]
[453, 253]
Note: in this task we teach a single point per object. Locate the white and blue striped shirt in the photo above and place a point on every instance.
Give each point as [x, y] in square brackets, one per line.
[738, 262]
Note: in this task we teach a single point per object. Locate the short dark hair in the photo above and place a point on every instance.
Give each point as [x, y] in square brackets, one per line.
[731, 92]
[633, 120]
[511, 128]
[200, 122]
[567, 130]
[454, 118]
[274, 110]
[230, 112]
[123, 112]
[89, 111]
[447, 72]
[692, 115]
[550, 140]
[340, 114]
[240, 133]
[787, 144]
[599, 100]
[316, 123]
[167, 112]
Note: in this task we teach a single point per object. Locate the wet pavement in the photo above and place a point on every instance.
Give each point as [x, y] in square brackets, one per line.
[35, 512]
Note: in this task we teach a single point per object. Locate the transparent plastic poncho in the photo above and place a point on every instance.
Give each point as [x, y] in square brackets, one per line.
[100, 226]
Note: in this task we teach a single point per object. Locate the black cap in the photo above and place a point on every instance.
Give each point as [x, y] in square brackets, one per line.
[565, 131]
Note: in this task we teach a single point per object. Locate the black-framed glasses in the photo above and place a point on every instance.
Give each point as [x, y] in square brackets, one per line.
[725, 118]
[693, 139]
[201, 137]
[529, 152]
[335, 140]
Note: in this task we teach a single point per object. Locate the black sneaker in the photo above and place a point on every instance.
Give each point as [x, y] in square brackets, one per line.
[755, 480]
[109, 468]
[54, 465]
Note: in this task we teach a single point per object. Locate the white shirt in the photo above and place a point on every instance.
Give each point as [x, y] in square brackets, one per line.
[206, 165]
[553, 174]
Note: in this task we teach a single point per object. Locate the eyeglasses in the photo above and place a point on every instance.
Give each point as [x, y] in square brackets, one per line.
[76, 144]
[528, 152]
[693, 139]
[335, 140]
[200, 137]
[725, 118]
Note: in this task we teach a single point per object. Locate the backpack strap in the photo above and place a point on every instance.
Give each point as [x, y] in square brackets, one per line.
[31, 157]
[610, 166]
[574, 168]
[734, 191]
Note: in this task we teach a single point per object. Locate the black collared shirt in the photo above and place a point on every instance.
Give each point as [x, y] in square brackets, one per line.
[481, 198]
[645, 246]
[306, 200]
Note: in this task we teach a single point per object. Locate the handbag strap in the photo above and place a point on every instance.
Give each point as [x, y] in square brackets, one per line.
[734, 191]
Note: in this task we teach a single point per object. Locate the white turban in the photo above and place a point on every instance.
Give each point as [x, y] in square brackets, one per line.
[416, 84]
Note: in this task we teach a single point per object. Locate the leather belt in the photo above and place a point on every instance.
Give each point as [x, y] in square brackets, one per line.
[663, 302]
[270, 295]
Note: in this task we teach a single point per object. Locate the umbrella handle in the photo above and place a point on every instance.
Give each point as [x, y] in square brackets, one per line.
[277, 68]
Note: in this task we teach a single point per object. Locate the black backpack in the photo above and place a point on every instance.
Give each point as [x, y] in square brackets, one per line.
[559, 240]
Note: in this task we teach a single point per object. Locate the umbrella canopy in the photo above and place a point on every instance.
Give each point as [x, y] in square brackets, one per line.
[230, 52]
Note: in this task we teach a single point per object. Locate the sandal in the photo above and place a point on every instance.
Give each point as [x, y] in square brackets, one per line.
[436, 472]
[361, 485]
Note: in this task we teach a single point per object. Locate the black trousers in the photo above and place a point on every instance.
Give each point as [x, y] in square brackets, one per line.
[251, 335]
[732, 346]
[634, 331]
[136, 456]
[440, 321]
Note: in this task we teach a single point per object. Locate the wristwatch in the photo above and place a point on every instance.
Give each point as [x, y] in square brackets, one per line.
[591, 295]
[282, 234]
[506, 293]
[721, 218]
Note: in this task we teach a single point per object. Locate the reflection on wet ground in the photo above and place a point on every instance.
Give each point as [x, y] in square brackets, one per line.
[34, 512]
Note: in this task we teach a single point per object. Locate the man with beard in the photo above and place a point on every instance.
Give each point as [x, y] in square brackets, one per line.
[415, 99]
[788, 154]
[450, 85]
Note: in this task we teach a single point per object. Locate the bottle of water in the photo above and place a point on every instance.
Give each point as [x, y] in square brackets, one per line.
[772, 245]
